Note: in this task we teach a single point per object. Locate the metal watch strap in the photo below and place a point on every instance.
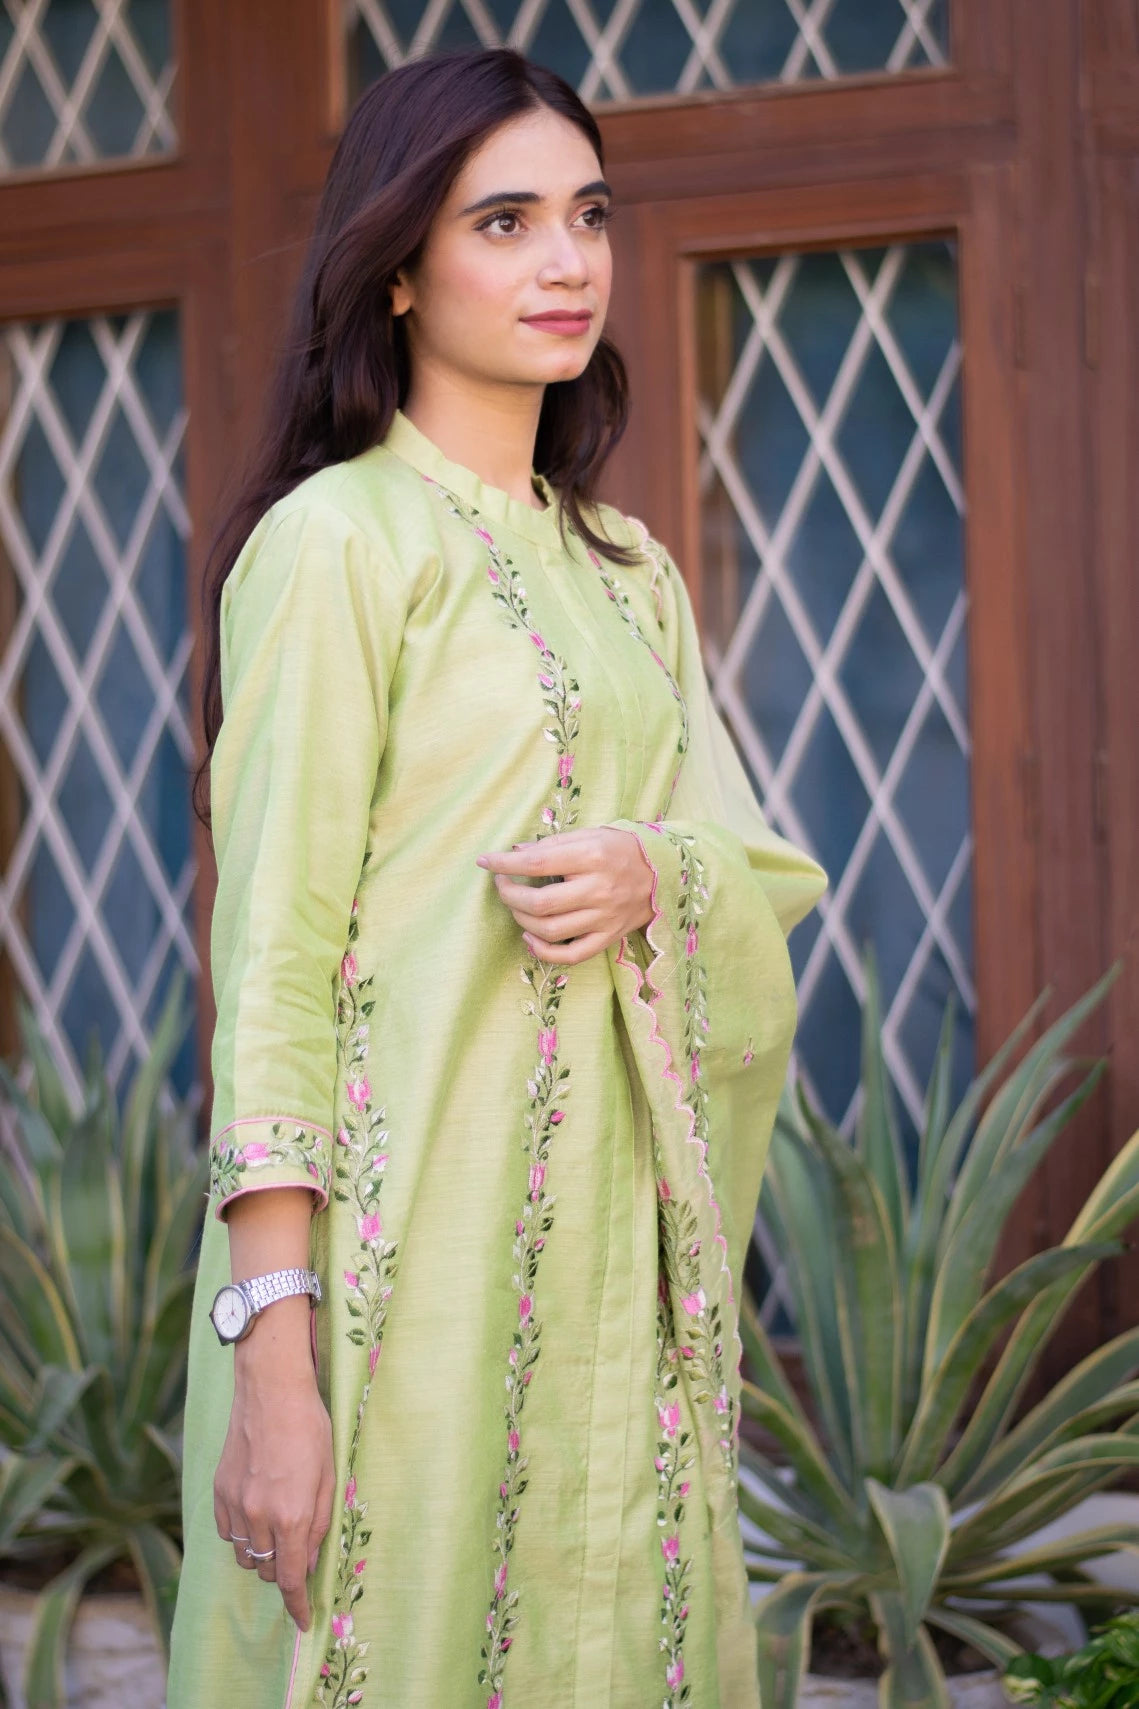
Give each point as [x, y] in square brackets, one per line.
[261, 1291]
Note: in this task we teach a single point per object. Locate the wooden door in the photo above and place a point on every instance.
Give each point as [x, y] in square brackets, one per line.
[991, 165]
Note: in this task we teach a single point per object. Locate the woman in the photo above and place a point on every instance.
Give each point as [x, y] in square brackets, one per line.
[516, 1127]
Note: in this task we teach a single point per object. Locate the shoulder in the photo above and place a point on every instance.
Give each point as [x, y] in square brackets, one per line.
[653, 560]
[630, 533]
[368, 518]
[376, 496]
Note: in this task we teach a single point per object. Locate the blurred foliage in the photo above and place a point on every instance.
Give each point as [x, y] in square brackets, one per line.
[99, 1218]
[1104, 1674]
[908, 1496]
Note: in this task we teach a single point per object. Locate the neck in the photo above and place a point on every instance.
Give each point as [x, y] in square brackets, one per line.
[491, 432]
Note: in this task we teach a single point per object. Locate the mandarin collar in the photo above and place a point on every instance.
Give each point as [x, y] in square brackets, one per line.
[414, 447]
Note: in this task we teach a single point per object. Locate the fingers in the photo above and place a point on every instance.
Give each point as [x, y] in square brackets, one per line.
[562, 853]
[229, 1531]
[288, 1550]
[291, 1567]
[261, 1543]
[560, 929]
[322, 1514]
[568, 955]
[547, 898]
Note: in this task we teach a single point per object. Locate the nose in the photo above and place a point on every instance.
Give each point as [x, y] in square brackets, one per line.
[565, 261]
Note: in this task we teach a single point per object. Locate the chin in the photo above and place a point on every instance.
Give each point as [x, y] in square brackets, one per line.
[559, 365]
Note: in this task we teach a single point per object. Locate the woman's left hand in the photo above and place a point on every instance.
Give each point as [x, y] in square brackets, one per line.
[606, 891]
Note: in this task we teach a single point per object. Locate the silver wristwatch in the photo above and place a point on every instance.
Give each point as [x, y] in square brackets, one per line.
[238, 1303]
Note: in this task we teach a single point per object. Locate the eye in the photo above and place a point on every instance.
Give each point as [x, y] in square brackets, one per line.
[597, 215]
[493, 222]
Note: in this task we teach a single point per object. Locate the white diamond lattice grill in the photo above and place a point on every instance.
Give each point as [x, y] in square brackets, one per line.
[84, 80]
[95, 892]
[613, 50]
[831, 486]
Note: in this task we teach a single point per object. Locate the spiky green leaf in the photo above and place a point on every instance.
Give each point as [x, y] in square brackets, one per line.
[1000, 1649]
[869, 1303]
[55, 1610]
[783, 1625]
[969, 1253]
[878, 1142]
[1088, 1386]
[158, 1562]
[944, 1391]
[796, 1203]
[915, 1523]
[914, 1678]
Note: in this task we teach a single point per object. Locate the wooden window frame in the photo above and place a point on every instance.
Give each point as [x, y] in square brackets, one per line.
[1028, 159]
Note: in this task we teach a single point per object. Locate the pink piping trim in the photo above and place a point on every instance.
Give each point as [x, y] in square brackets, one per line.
[668, 1072]
[318, 1194]
[296, 1120]
[293, 1670]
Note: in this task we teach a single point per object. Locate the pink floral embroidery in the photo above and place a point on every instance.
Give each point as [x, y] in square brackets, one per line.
[654, 552]
[292, 1145]
[673, 1457]
[547, 1087]
[680, 1242]
[358, 1183]
[623, 607]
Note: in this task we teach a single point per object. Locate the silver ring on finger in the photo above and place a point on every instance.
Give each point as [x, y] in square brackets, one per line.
[234, 1538]
[260, 1555]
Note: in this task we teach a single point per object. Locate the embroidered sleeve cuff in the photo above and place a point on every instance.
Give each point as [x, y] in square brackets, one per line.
[258, 1152]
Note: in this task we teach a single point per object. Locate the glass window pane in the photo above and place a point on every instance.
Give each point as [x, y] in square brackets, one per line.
[96, 858]
[830, 476]
[614, 50]
[84, 80]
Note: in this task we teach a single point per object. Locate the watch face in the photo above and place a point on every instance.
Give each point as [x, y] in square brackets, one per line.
[230, 1313]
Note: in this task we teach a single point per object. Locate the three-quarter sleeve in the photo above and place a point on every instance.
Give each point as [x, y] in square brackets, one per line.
[311, 624]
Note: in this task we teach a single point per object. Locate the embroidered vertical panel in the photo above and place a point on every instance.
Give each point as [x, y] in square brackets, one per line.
[546, 1090]
[361, 1160]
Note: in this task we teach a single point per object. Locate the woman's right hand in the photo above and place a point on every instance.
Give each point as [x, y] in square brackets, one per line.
[275, 1478]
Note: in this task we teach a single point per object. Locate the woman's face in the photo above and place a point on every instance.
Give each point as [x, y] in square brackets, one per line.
[512, 286]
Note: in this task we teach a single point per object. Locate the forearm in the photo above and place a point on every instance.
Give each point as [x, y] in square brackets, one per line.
[270, 1231]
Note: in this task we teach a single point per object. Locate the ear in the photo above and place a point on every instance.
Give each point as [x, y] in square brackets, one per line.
[399, 291]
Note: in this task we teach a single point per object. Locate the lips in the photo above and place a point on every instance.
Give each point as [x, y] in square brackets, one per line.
[568, 322]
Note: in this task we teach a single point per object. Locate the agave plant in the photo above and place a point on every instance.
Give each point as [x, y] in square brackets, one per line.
[906, 1498]
[98, 1219]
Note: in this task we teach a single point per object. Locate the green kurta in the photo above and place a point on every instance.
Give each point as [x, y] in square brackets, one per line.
[534, 1185]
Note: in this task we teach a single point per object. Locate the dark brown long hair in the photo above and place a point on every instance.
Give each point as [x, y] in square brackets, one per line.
[344, 369]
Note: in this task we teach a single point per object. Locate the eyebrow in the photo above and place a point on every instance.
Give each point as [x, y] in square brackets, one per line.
[503, 198]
